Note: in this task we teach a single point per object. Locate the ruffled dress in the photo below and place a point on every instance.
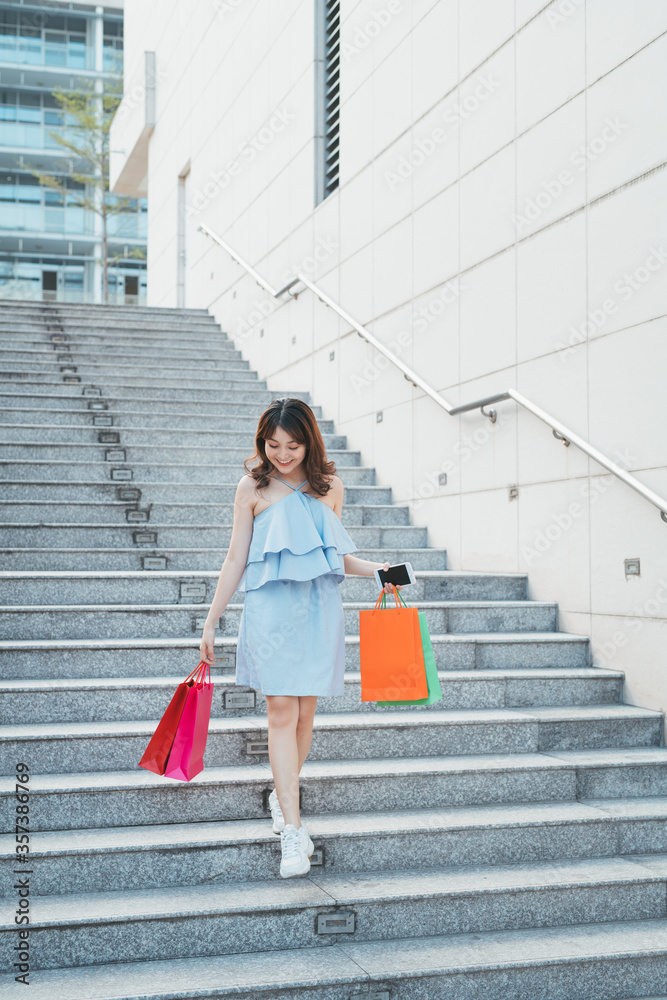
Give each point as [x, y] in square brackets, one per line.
[292, 633]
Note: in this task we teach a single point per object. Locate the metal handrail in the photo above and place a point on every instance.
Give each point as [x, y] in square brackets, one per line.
[559, 430]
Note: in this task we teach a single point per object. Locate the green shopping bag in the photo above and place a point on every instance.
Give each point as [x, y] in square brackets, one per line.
[432, 679]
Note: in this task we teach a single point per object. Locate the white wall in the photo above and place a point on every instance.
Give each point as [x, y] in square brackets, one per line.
[528, 240]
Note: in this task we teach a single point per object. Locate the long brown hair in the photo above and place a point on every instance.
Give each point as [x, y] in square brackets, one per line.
[297, 418]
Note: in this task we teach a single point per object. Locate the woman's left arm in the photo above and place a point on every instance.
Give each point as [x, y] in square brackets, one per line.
[362, 567]
[353, 565]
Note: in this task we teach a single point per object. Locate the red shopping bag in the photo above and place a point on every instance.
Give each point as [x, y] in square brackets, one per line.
[157, 751]
[187, 751]
[391, 654]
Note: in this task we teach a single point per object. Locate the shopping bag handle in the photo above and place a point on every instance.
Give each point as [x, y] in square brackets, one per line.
[199, 674]
[381, 602]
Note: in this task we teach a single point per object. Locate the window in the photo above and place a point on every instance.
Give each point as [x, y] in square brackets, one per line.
[41, 38]
[327, 96]
[27, 118]
[113, 46]
[28, 206]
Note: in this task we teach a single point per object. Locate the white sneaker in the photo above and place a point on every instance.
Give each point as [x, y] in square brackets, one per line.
[276, 812]
[295, 860]
[279, 822]
[309, 845]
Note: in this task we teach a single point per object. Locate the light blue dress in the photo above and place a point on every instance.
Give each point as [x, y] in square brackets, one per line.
[292, 634]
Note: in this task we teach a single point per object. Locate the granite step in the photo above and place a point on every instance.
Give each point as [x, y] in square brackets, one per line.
[138, 355]
[81, 747]
[215, 433]
[201, 351]
[177, 513]
[133, 317]
[173, 587]
[55, 490]
[139, 798]
[120, 699]
[137, 372]
[105, 327]
[158, 329]
[79, 417]
[55, 362]
[587, 961]
[162, 621]
[241, 391]
[164, 370]
[95, 657]
[145, 555]
[229, 453]
[113, 316]
[119, 318]
[94, 928]
[207, 473]
[204, 534]
[232, 851]
[151, 337]
[15, 307]
[19, 307]
[221, 380]
[53, 334]
[69, 397]
[26, 344]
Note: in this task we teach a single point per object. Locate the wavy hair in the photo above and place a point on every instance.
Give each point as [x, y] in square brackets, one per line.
[298, 420]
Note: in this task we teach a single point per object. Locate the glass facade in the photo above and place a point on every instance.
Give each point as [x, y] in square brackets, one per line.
[50, 246]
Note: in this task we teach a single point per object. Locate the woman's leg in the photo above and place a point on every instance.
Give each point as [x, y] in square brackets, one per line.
[304, 727]
[283, 714]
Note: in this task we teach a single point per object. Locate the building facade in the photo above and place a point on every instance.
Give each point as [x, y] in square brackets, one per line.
[50, 248]
[482, 184]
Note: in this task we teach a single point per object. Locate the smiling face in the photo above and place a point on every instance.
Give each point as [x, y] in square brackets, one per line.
[283, 451]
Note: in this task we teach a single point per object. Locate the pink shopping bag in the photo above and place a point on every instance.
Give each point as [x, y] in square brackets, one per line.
[157, 752]
[186, 756]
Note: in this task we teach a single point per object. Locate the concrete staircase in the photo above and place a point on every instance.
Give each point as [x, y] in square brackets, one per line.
[508, 842]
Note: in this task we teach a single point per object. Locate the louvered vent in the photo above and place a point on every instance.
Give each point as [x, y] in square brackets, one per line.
[327, 121]
[331, 95]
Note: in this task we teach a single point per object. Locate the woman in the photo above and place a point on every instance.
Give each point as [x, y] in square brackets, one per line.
[288, 553]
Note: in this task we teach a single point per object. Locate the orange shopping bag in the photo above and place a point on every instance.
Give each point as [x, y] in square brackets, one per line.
[391, 653]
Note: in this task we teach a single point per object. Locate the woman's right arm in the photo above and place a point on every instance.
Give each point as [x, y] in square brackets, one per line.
[233, 565]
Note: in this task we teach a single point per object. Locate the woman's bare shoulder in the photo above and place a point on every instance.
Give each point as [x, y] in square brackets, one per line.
[245, 490]
[337, 487]
[247, 481]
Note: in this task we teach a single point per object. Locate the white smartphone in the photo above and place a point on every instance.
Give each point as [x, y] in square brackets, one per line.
[401, 574]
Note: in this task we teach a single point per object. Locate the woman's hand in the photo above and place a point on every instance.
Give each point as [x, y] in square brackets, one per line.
[206, 644]
[389, 587]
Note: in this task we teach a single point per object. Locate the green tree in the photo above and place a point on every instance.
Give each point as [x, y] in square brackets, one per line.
[87, 114]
